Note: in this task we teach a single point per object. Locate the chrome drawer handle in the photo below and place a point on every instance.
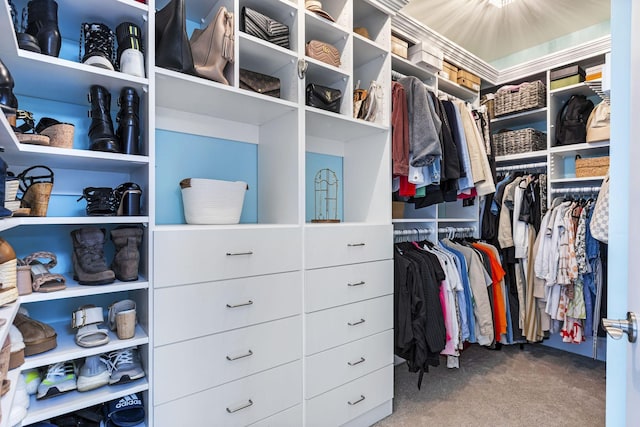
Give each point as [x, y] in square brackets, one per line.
[355, 244]
[355, 402]
[239, 253]
[356, 323]
[356, 284]
[246, 405]
[356, 362]
[249, 353]
[239, 305]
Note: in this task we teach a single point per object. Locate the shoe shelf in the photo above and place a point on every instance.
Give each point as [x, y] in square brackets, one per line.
[67, 349]
[13, 222]
[75, 290]
[40, 410]
[7, 400]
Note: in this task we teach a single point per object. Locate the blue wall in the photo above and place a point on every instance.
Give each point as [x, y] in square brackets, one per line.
[315, 162]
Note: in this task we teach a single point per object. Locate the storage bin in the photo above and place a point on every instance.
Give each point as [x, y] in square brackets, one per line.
[518, 141]
[449, 72]
[591, 166]
[399, 47]
[212, 201]
[526, 96]
[426, 56]
[468, 80]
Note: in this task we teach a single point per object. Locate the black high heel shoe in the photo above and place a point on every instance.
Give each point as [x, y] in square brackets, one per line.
[128, 198]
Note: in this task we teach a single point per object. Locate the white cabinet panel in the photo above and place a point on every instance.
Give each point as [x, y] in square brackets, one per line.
[185, 312]
[337, 326]
[331, 368]
[238, 403]
[350, 400]
[199, 255]
[330, 287]
[225, 357]
[340, 245]
[292, 417]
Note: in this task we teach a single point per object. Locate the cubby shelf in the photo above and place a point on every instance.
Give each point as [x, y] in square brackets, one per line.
[519, 119]
[13, 222]
[530, 155]
[75, 290]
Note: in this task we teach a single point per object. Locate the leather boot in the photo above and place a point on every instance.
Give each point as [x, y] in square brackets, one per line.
[42, 24]
[172, 43]
[127, 240]
[8, 101]
[89, 263]
[130, 52]
[101, 130]
[128, 131]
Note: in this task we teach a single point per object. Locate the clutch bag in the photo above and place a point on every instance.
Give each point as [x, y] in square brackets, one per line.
[260, 83]
[324, 52]
[323, 97]
[258, 25]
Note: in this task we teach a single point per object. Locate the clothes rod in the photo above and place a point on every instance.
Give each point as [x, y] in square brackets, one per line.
[521, 167]
[412, 231]
[456, 230]
[575, 190]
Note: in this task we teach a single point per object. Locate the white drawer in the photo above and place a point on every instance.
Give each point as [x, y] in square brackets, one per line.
[238, 403]
[331, 368]
[351, 400]
[340, 325]
[291, 417]
[333, 286]
[220, 358]
[201, 255]
[340, 245]
[185, 312]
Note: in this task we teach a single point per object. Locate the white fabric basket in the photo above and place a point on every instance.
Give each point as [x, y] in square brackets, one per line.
[212, 201]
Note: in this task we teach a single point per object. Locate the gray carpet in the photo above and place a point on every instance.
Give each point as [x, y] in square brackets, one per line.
[537, 386]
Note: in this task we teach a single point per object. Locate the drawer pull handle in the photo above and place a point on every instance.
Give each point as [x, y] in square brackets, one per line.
[357, 362]
[360, 283]
[355, 402]
[249, 353]
[355, 323]
[351, 245]
[239, 305]
[239, 408]
[239, 253]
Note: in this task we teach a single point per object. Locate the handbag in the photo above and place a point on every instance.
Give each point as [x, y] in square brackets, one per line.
[599, 225]
[323, 97]
[172, 44]
[212, 47]
[258, 25]
[261, 83]
[371, 104]
[359, 95]
[324, 52]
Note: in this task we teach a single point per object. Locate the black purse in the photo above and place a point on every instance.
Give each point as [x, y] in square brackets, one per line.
[261, 26]
[260, 83]
[323, 97]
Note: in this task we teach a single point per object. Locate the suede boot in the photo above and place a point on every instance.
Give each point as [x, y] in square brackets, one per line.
[101, 130]
[128, 121]
[89, 263]
[127, 241]
[42, 24]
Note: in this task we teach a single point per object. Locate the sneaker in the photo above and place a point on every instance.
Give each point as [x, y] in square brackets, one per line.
[125, 366]
[60, 378]
[130, 55]
[99, 41]
[94, 373]
[32, 379]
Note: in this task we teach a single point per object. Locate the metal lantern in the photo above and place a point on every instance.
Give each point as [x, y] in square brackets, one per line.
[326, 196]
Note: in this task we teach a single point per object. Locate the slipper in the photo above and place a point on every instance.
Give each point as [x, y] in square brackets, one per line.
[128, 411]
[41, 279]
[86, 320]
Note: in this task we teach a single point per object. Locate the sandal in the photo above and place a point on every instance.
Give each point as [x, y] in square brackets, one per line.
[42, 280]
[122, 318]
[60, 134]
[128, 199]
[86, 319]
[26, 133]
[101, 201]
[36, 190]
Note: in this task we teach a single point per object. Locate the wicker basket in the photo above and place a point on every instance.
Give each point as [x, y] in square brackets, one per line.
[592, 166]
[528, 96]
[518, 141]
[212, 201]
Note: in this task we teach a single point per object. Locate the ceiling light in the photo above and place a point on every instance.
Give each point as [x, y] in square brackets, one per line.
[500, 3]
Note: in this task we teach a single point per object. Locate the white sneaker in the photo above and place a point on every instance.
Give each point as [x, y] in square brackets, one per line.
[94, 373]
[132, 62]
[125, 366]
[60, 378]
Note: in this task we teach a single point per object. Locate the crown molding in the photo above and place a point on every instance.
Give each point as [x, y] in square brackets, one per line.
[392, 6]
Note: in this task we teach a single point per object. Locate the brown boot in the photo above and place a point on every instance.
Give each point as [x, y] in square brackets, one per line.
[89, 263]
[127, 240]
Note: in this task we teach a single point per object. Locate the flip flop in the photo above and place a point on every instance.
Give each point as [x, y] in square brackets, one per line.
[128, 411]
[42, 280]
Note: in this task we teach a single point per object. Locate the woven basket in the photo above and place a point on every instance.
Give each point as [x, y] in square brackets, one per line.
[592, 166]
[37, 198]
[211, 201]
[518, 141]
[528, 96]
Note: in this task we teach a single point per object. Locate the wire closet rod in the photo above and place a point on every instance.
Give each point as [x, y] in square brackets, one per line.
[521, 167]
[575, 190]
[442, 230]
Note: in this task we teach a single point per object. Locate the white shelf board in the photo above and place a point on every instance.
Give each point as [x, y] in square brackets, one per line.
[408, 68]
[413, 220]
[67, 349]
[519, 119]
[451, 220]
[264, 57]
[343, 128]
[365, 50]
[193, 94]
[324, 30]
[578, 148]
[323, 73]
[75, 290]
[70, 18]
[344, 224]
[40, 410]
[575, 180]
[531, 155]
[8, 312]
[185, 227]
[456, 90]
[576, 89]
[12, 222]
[7, 399]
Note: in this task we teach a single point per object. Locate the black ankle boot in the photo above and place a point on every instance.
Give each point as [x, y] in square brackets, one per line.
[128, 131]
[101, 130]
[98, 45]
[8, 101]
[42, 24]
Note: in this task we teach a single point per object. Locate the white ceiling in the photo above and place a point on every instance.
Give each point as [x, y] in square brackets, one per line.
[490, 32]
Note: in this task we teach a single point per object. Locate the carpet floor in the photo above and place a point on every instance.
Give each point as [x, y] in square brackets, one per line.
[536, 386]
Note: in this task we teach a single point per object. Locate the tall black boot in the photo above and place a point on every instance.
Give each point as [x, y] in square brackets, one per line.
[42, 23]
[128, 131]
[8, 101]
[101, 130]
[173, 50]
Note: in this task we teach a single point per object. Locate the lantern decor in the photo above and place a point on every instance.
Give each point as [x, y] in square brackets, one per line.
[326, 196]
